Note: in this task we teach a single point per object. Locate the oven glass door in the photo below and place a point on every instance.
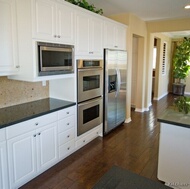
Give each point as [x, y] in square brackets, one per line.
[89, 115]
[90, 84]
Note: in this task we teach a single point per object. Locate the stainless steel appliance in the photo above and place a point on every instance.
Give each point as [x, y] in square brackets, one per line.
[55, 58]
[115, 69]
[90, 92]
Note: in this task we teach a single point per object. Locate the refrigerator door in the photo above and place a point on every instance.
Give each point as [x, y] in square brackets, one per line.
[114, 89]
[121, 89]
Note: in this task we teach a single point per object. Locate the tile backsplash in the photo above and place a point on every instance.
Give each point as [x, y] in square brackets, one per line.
[14, 92]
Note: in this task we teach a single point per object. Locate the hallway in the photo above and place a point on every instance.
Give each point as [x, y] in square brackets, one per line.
[133, 146]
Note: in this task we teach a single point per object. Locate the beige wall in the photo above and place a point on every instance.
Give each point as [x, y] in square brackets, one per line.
[147, 31]
[14, 92]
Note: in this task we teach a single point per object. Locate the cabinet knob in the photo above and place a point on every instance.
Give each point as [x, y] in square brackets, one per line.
[55, 36]
[115, 46]
[34, 135]
[17, 66]
[68, 136]
[84, 140]
[36, 124]
[68, 148]
[59, 36]
[68, 124]
[67, 112]
[39, 133]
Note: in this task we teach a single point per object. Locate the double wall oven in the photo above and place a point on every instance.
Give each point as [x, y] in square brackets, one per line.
[90, 92]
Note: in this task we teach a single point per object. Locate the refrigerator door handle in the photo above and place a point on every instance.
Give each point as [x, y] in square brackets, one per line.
[118, 81]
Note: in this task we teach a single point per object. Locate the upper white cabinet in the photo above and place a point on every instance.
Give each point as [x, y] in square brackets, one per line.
[89, 35]
[114, 35]
[8, 37]
[53, 21]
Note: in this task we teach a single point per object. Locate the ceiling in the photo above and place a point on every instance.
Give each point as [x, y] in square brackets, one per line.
[147, 10]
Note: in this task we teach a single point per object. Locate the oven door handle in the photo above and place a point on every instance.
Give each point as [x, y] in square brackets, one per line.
[90, 101]
[118, 82]
[89, 69]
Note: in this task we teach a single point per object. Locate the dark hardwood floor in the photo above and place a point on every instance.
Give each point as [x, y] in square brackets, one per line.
[133, 146]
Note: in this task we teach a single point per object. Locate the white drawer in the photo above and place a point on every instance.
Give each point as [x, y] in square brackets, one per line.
[26, 126]
[65, 124]
[66, 136]
[66, 149]
[89, 136]
[2, 135]
[66, 112]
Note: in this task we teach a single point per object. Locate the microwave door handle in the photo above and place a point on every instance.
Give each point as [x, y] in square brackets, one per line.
[89, 69]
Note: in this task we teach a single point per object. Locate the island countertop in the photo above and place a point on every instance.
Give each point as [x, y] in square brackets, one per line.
[172, 116]
[22, 112]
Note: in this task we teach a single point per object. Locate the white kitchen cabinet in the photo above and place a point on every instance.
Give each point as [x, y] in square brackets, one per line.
[3, 161]
[31, 153]
[89, 35]
[66, 131]
[114, 35]
[88, 136]
[8, 38]
[53, 21]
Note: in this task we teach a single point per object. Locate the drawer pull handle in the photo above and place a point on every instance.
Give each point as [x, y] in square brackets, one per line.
[68, 148]
[68, 124]
[67, 112]
[68, 136]
[34, 135]
[36, 124]
[84, 140]
[39, 133]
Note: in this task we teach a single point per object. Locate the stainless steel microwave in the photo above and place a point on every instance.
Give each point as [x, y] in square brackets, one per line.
[55, 59]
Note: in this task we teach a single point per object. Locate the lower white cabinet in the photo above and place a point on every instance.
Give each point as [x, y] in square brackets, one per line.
[31, 153]
[3, 166]
[89, 136]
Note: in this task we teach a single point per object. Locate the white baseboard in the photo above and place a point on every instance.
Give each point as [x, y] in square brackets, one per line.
[139, 110]
[160, 97]
[187, 93]
[128, 120]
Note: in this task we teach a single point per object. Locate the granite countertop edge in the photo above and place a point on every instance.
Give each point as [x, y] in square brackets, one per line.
[32, 116]
[171, 116]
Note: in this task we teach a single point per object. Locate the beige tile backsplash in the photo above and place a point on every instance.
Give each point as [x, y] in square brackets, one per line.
[14, 92]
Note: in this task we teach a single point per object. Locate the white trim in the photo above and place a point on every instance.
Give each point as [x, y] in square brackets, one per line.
[160, 97]
[128, 120]
[187, 93]
[139, 110]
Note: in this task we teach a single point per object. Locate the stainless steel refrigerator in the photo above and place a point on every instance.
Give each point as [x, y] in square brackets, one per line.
[115, 70]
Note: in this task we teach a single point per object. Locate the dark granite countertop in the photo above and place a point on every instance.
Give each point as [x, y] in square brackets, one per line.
[172, 116]
[22, 112]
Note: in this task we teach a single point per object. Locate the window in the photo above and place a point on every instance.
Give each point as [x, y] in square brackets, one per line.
[164, 59]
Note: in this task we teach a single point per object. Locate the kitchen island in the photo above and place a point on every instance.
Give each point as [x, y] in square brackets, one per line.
[174, 149]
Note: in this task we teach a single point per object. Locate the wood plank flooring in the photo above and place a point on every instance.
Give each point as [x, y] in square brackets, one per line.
[133, 146]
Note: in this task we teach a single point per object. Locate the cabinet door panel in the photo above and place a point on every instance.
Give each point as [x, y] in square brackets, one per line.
[82, 34]
[44, 19]
[65, 24]
[3, 166]
[96, 36]
[47, 146]
[8, 49]
[22, 161]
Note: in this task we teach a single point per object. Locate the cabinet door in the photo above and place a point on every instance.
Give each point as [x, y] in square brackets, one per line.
[8, 55]
[44, 19]
[3, 166]
[109, 34]
[96, 36]
[82, 34]
[21, 159]
[46, 146]
[120, 37]
[65, 24]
